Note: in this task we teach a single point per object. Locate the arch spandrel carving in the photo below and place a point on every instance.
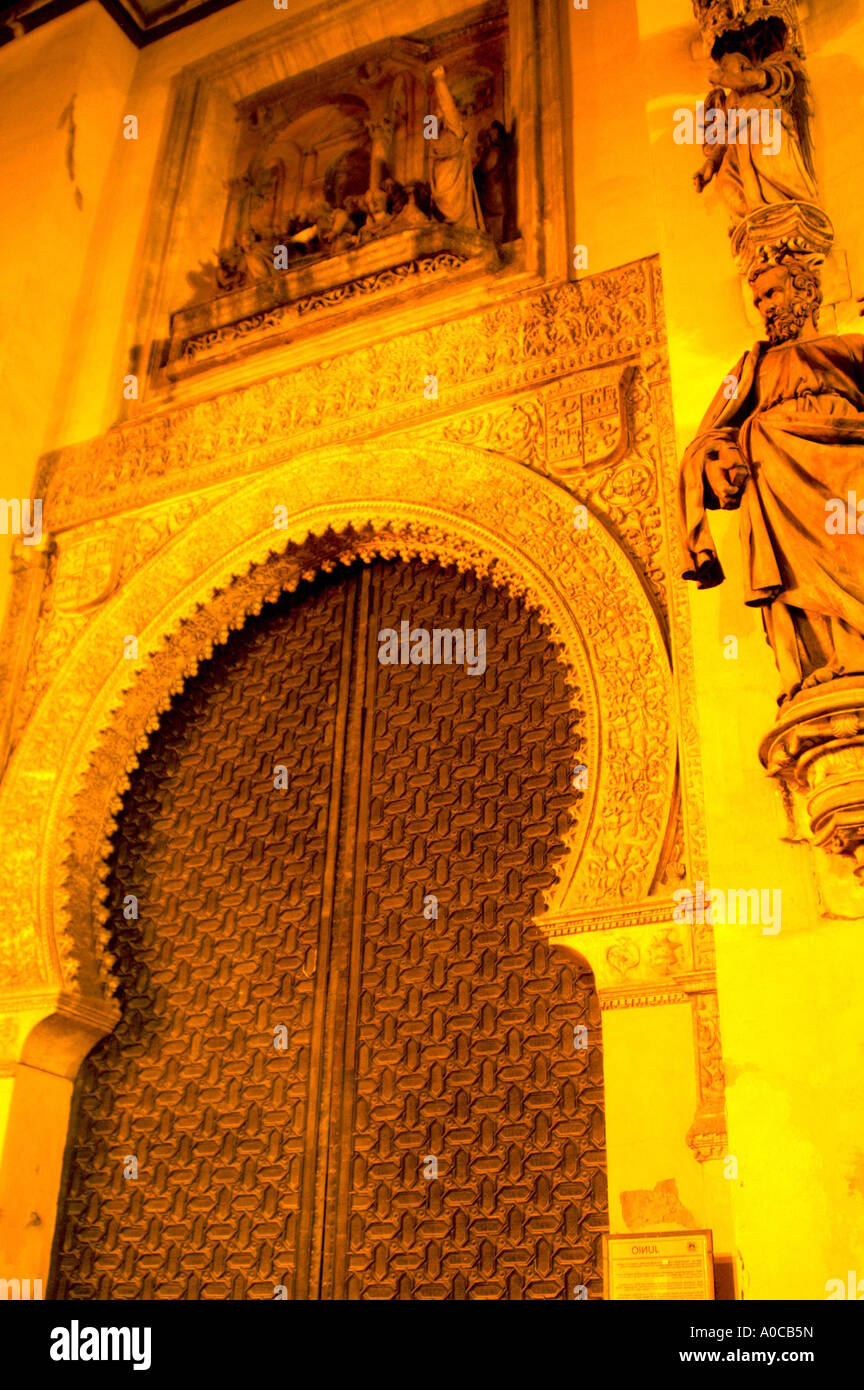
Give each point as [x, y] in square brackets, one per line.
[461, 506]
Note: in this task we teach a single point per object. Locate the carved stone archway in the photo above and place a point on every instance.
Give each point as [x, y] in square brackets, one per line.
[481, 511]
[513, 527]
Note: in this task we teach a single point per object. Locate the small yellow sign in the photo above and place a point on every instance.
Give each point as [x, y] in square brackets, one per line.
[663, 1265]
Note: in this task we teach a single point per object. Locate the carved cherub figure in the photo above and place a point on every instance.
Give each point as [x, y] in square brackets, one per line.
[757, 140]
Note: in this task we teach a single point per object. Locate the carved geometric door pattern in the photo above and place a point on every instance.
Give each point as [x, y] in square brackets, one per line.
[432, 1127]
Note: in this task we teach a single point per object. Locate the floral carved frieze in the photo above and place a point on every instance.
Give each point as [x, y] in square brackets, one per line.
[596, 432]
[487, 355]
[83, 569]
[232, 328]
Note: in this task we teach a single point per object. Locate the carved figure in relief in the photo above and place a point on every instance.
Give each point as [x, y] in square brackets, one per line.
[451, 174]
[757, 140]
[228, 272]
[783, 441]
[376, 204]
[381, 135]
[257, 192]
[257, 254]
[373, 143]
[493, 177]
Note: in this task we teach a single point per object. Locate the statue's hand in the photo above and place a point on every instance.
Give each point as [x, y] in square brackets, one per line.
[736, 73]
[703, 177]
[727, 475]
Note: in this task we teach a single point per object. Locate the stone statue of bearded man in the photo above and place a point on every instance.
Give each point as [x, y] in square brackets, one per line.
[783, 440]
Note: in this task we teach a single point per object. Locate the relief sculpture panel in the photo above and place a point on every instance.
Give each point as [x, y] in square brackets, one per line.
[359, 182]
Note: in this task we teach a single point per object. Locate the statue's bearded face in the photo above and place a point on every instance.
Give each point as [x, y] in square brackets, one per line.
[786, 300]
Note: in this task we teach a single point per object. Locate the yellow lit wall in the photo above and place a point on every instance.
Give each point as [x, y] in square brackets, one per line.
[790, 1003]
[69, 277]
[47, 229]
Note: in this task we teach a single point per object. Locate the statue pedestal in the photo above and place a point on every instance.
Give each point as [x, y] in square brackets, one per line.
[817, 748]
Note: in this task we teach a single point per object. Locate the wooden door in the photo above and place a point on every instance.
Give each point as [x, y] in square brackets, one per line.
[348, 1066]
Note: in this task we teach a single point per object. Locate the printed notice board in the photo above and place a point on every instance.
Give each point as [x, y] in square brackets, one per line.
[665, 1265]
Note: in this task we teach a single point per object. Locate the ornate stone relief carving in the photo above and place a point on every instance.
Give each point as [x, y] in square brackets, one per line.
[718, 17]
[232, 329]
[817, 749]
[82, 570]
[355, 182]
[630, 298]
[485, 356]
[603, 864]
[87, 569]
[196, 488]
[147, 462]
[707, 1134]
[596, 432]
[29, 568]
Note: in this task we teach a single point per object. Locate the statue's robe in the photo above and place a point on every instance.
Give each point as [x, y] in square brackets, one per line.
[751, 175]
[798, 418]
[451, 177]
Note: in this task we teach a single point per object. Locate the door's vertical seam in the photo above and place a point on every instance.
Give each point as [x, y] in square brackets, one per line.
[315, 1158]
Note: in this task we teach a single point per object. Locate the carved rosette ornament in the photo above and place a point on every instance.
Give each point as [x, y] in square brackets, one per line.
[817, 749]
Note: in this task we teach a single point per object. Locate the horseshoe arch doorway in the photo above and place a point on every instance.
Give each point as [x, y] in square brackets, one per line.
[348, 1065]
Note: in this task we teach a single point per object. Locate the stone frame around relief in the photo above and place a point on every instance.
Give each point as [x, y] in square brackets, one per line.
[199, 138]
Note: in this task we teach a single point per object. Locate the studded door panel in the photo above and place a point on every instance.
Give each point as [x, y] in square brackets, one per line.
[229, 877]
[432, 1128]
[468, 1059]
